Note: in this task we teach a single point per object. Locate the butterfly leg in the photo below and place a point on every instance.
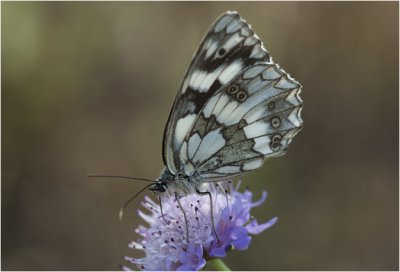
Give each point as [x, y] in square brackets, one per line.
[211, 209]
[225, 192]
[162, 214]
[184, 216]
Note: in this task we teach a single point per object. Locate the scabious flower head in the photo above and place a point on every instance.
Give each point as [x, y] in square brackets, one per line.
[164, 240]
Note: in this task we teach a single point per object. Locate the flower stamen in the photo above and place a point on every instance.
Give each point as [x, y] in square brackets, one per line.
[170, 247]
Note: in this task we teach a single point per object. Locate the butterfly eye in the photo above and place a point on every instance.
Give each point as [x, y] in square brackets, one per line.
[241, 96]
[221, 52]
[271, 105]
[275, 122]
[233, 89]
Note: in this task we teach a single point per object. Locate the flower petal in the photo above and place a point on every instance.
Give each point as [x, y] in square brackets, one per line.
[240, 238]
[186, 267]
[254, 228]
[164, 244]
[261, 200]
[192, 258]
[218, 251]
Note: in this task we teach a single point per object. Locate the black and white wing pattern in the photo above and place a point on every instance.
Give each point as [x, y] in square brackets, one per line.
[253, 117]
[234, 109]
[228, 49]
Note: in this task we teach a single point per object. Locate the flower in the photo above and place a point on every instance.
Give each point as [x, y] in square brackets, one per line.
[164, 239]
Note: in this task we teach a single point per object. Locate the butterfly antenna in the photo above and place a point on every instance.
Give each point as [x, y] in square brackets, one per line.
[121, 210]
[114, 176]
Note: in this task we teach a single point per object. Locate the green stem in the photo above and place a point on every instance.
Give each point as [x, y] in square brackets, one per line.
[218, 264]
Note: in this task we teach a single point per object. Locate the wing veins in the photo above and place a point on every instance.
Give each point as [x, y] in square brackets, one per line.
[232, 162]
[208, 120]
[262, 155]
[221, 93]
[269, 84]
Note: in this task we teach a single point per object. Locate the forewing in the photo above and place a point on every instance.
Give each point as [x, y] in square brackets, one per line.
[253, 117]
[229, 47]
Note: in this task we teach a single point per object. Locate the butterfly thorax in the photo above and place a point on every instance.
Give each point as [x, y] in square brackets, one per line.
[175, 183]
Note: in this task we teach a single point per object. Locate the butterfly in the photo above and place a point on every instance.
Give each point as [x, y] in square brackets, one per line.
[234, 109]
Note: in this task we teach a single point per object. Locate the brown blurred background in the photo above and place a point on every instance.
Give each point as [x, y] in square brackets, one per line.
[87, 87]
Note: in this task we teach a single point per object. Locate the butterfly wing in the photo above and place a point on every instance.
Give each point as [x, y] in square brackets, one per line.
[229, 47]
[253, 117]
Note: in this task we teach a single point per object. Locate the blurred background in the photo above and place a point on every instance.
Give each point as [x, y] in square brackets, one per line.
[87, 87]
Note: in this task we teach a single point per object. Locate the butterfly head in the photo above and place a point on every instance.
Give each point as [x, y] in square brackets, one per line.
[159, 186]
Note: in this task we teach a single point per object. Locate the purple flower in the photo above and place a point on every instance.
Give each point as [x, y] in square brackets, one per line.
[165, 244]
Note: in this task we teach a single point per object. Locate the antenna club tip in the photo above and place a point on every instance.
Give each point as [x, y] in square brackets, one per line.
[121, 214]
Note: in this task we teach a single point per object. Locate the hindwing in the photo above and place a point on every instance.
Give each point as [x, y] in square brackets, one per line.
[253, 117]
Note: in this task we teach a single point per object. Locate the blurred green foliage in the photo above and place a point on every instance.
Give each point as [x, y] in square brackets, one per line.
[87, 87]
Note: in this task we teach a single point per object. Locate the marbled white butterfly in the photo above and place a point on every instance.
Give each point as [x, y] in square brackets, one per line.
[234, 109]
